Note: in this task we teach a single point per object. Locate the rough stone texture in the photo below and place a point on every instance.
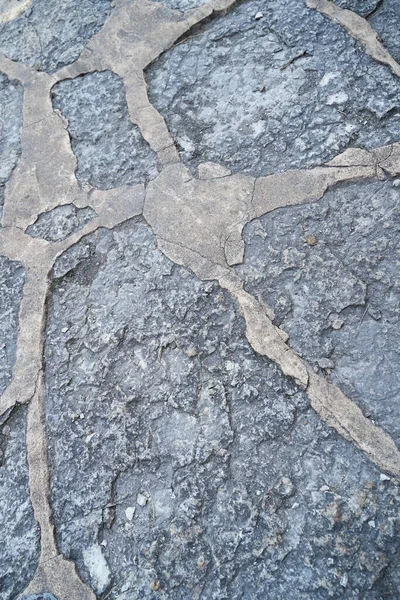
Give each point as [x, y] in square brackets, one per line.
[330, 271]
[183, 463]
[59, 223]
[11, 94]
[183, 5]
[361, 7]
[19, 533]
[289, 89]
[11, 284]
[386, 22]
[110, 150]
[39, 597]
[52, 33]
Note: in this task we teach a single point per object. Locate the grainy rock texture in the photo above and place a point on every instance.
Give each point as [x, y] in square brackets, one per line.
[59, 223]
[183, 5]
[11, 284]
[330, 271]
[271, 86]
[52, 33]
[386, 22]
[11, 94]
[110, 149]
[362, 7]
[19, 533]
[39, 597]
[183, 463]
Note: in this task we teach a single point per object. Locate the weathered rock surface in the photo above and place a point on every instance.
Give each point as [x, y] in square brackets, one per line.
[110, 150]
[39, 597]
[386, 22]
[287, 89]
[183, 463]
[183, 5]
[362, 7]
[52, 33]
[330, 271]
[11, 94]
[19, 532]
[11, 284]
[61, 222]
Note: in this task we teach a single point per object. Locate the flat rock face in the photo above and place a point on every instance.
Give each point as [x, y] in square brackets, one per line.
[52, 33]
[330, 271]
[61, 222]
[19, 532]
[110, 150]
[272, 86]
[11, 284]
[183, 463]
[11, 95]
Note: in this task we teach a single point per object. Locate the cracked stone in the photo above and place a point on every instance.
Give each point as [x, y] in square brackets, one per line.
[110, 150]
[61, 222]
[226, 449]
[52, 33]
[307, 91]
[19, 532]
[11, 95]
[322, 296]
[11, 284]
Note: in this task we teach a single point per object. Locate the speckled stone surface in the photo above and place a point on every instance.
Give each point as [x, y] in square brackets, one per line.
[186, 465]
[386, 22]
[110, 149]
[10, 128]
[362, 7]
[52, 33]
[11, 284]
[330, 271]
[273, 86]
[19, 533]
[183, 5]
[61, 222]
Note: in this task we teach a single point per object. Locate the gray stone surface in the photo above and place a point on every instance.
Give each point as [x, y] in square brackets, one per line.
[386, 22]
[11, 284]
[183, 5]
[19, 532]
[39, 597]
[330, 271]
[11, 94]
[61, 222]
[52, 33]
[361, 7]
[289, 89]
[184, 464]
[110, 149]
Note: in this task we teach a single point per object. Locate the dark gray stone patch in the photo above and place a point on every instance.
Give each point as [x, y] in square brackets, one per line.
[11, 285]
[52, 33]
[386, 22]
[330, 271]
[11, 95]
[272, 86]
[110, 150]
[39, 597]
[183, 5]
[184, 464]
[361, 7]
[19, 532]
[61, 222]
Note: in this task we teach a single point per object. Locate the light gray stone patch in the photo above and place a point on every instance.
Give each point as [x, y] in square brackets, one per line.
[52, 33]
[19, 532]
[11, 285]
[184, 464]
[330, 271]
[362, 7]
[11, 95]
[288, 89]
[110, 150]
[61, 222]
[386, 22]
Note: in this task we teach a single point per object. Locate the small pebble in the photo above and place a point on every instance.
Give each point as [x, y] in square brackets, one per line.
[371, 524]
[129, 512]
[384, 477]
[258, 16]
[141, 499]
[64, 329]
[337, 323]
[396, 183]
[311, 240]
[344, 580]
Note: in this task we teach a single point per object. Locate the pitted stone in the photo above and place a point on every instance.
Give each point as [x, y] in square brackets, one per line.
[184, 463]
[11, 284]
[61, 222]
[110, 150]
[52, 33]
[11, 95]
[330, 271]
[19, 532]
[273, 86]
